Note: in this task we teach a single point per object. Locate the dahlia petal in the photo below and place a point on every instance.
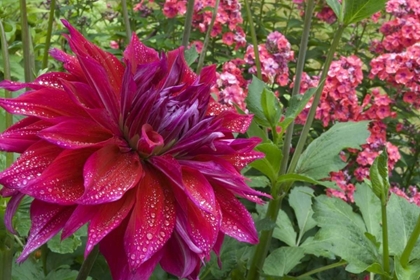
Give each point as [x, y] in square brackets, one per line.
[113, 67]
[62, 180]
[170, 167]
[236, 221]
[181, 264]
[218, 247]
[47, 220]
[108, 217]
[43, 103]
[235, 122]
[208, 75]
[47, 80]
[29, 165]
[6, 192]
[11, 208]
[21, 135]
[180, 72]
[67, 134]
[81, 215]
[137, 53]
[109, 174]
[152, 220]
[82, 94]
[240, 160]
[199, 190]
[149, 141]
[70, 63]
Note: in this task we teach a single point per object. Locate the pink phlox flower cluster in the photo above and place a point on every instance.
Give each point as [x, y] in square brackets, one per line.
[400, 8]
[401, 70]
[274, 55]
[143, 9]
[327, 15]
[342, 179]
[172, 8]
[231, 87]
[413, 195]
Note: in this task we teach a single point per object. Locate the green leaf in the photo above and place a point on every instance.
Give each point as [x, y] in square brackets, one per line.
[281, 261]
[402, 218]
[296, 105]
[258, 181]
[378, 174]
[370, 207]
[62, 274]
[300, 199]
[255, 130]
[190, 55]
[357, 10]
[292, 177]
[253, 101]
[411, 272]
[322, 155]
[271, 107]
[270, 164]
[68, 245]
[336, 7]
[317, 248]
[28, 270]
[344, 231]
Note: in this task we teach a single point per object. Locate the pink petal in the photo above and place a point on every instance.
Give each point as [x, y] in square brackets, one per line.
[47, 220]
[199, 190]
[183, 262]
[21, 135]
[62, 181]
[12, 206]
[231, 119]
[170, 167]
[70, 62]
[29, 165]
[185, 75]
[81, 215]
[69, 135]
[236, 220]
[149, 140]
[107, 217]
[152, 220]
[137, 53]
[82, 94]
[109, 174]
[44, 103]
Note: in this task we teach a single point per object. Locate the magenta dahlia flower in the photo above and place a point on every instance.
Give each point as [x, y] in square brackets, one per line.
[135, 149]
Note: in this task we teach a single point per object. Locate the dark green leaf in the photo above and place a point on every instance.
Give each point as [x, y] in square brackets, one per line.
[357, 10]
[378, 174]
[336, 7]
[253, 101]
[370, 207]
[191, 55]
[281, 261]
[300, 199]
[271, 107]
[270, 164]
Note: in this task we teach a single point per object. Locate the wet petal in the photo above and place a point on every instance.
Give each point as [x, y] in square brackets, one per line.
[109, 174]
[81, 215]
[152, 220]
[11, 208]
[236, 220]
[68, 135]
[62, 181]
[70, 63]
[170, 167]
[137, 53]
[47, 220]
[29, 165]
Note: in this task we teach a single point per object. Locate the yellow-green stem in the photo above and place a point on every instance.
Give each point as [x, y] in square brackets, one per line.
[385, 242]
[126, 21]
[48, 36]
[88, 264]
[188, 23]
[321, 269]
[254, 39]
[28, 59]
[405, 256]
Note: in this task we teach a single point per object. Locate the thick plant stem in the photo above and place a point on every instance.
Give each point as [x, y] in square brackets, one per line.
[311, 115]
[6, 256]
[324, 268]
[7, 94]
[385, 243]
[88, 264]
[126, 21]
[28, 58]
[48, 37]
[188, 23]
[207, 38]
[298, 76]
[405, 256]
[254, 39]
[261, 249]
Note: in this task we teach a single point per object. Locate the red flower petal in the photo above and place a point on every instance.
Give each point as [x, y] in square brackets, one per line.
[68, 135]
[71, 63]
[236, 220]
[137, 53]
[62, 181]
[152, 220]
[11, 208]
[29, 165]
[109, 174]
[47, 220]
[81, 215]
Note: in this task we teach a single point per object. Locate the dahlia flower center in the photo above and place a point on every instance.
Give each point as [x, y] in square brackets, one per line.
[148, 142]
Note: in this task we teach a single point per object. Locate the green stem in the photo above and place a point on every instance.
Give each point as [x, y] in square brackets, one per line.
[6, 256]
[88, 264]
[261, 13]
[188, 23]
[405, 256]
[48, 37]
[126, 20]
[29, 64]
[254, 39]
[7, 76]
[207, 38]
[385, 242]
[324, 268]
[311, 115]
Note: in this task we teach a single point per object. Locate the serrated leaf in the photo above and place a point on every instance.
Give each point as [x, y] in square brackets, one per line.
[281, 261]
[357, 10]
[63, 274]
[402, 218]
[68, 245]
[28, 270]
[411, 272]
[190, 55]
[300, 199]
[317, 248]
[336, 7]
[344, 231]
[378, 174]
[322, 156]
[271, 107]
[257, 181]
[292, 177]
[296, 105]
[253, 101]
[270, 164]
[370, 207]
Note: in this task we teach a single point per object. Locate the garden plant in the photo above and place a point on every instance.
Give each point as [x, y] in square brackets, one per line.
[210, 139]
